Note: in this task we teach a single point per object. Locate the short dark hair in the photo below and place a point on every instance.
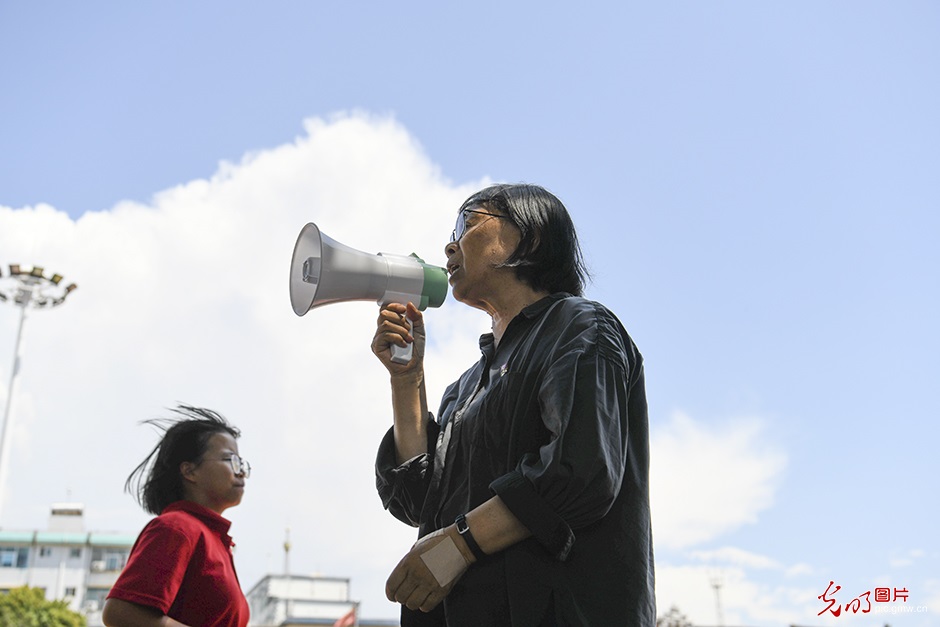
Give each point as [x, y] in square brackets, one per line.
[157, 481]
[548, 256]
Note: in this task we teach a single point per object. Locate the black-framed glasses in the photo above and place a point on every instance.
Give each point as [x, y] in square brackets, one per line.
[240, 466]
[461, 226]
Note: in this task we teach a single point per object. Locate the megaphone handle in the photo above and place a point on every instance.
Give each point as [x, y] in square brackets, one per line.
[402, 354]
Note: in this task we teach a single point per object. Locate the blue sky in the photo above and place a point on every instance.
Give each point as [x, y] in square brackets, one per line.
[753, 184]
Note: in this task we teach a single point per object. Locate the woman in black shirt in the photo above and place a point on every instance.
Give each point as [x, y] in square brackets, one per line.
[531, 487]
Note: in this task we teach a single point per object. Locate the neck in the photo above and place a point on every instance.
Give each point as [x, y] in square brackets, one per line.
[509, 308]
[201, 499]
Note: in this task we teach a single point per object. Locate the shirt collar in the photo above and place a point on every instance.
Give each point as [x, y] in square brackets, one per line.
[211, 519]
[531, 312]
[535, 309]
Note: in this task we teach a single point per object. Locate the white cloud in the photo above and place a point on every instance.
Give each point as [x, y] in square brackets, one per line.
[701, 592]
[737, 557]
[754, 589]
[747, 588]
[799, 570]
[906, 559]
[186, 299]
[706, 480]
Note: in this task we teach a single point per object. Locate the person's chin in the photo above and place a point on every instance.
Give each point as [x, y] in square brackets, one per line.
[456, 291]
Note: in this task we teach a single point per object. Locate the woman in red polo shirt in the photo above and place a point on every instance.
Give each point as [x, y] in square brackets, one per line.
[180, 570]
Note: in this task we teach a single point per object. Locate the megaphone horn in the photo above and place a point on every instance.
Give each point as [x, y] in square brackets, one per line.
[323, 271]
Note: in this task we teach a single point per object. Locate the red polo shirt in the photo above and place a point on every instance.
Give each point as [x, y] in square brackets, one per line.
[181, 565]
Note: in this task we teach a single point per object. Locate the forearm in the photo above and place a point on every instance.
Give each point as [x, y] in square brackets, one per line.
[410, 411]
[494, 527]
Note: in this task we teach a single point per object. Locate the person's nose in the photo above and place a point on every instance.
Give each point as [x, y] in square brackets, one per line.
[450, 249]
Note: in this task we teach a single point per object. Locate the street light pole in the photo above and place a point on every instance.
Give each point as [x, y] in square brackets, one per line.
[25, 289]
[716, 584]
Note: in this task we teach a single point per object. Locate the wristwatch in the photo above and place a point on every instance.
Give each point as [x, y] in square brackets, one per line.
[464, 530]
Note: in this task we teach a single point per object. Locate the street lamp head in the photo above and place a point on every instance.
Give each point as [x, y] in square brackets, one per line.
[33, 288]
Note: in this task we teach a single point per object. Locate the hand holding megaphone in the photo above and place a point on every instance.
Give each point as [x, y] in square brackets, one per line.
[399, 323]
[323, 271]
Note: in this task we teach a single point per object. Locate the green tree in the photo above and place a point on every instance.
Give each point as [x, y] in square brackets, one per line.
[27, 607]
[673, 618]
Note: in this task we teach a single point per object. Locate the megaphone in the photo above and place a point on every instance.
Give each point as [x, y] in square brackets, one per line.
[323, 271]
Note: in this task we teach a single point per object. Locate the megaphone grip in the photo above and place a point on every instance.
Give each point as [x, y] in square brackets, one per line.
[402, 354]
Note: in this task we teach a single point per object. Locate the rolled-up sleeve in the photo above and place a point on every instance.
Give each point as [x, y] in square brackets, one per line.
[403, 487]
[574, 479]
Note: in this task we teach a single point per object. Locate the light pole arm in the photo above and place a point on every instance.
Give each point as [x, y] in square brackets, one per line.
[14, 368]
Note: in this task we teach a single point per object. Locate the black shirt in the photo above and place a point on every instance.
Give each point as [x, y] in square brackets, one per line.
[554, 421]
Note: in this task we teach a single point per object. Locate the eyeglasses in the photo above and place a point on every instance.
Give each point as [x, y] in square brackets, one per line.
[239, 466]
[461, 226]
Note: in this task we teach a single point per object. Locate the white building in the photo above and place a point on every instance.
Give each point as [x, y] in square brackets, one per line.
[299, 600]
[65, 561]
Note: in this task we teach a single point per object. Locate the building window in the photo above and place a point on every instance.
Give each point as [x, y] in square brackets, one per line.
[108, 559]
[70, 592]
[45, 551]
[94, 599]
[13, 557]
[75, 553]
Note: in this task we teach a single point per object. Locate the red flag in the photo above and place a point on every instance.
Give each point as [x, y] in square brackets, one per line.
[346, 620]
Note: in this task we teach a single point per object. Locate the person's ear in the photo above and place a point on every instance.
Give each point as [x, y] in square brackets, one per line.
[188, 471]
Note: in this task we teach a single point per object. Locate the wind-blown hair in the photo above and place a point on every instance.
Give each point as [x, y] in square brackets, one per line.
[157, 481]
[548, 256]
